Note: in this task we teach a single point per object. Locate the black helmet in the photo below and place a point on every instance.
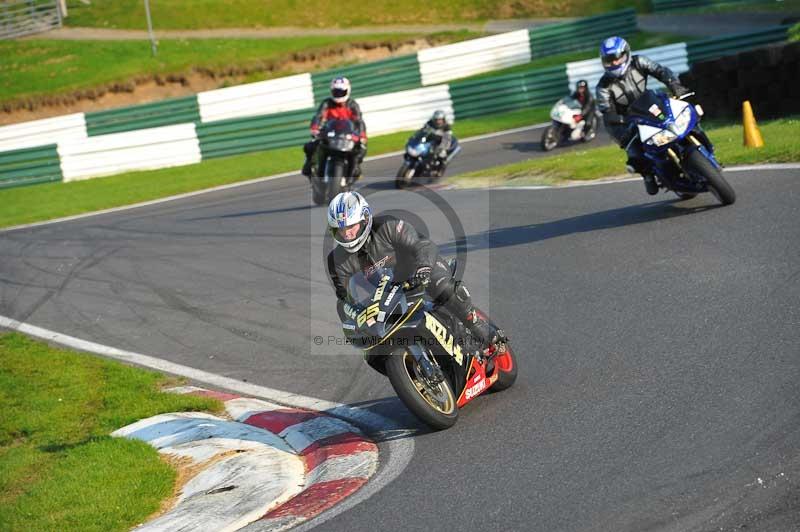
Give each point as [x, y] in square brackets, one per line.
[582, 84]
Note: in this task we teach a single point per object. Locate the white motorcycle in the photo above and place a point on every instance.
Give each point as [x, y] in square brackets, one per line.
[565, 128]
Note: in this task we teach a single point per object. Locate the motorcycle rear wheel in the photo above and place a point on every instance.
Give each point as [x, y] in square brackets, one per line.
[506, 366]
[434, 405]
[698, 164]
[549, 138]
[685, 195]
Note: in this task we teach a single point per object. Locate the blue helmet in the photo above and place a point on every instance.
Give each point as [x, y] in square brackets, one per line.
[615, 54]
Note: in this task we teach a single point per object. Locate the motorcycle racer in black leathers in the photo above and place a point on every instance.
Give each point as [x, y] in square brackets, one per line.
[366, 243]
[625, 79]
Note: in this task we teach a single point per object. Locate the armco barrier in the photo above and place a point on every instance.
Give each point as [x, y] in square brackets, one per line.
[368, 79]
[475, 56]
[41, 132]
[581, 34]
[149, 115]
[255, 133]
[673, 56]
[731, 44]
[397, 111]
[401, 111]
[261, 98]
[30, 165]
[146, 149]
[498, 94]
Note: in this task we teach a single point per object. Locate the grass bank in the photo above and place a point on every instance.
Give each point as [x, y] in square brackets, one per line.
[781, 145]
[59, 468]
[54, 200]
[200, 14]
[45, 68]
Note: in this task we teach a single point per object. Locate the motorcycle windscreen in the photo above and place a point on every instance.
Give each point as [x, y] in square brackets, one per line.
[650, 106]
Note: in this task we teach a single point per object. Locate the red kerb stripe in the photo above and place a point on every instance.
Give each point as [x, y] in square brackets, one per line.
[318, 498]
[277, 420]
[339, 445]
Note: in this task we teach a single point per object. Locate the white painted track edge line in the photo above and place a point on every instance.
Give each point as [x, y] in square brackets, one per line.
[396, 453]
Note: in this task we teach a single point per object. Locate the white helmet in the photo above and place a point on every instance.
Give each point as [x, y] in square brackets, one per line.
[340, 89]
[346, 210]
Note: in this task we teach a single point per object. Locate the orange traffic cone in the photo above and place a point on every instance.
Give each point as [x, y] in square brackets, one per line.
[752, 136]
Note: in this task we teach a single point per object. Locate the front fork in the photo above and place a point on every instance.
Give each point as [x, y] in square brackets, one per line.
[430, 368]
[703, 144]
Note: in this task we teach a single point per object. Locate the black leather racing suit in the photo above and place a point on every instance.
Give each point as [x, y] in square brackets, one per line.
[396, 244]
[615, 95]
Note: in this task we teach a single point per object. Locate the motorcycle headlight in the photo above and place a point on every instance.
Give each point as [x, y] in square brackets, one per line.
[682, 121]
[662, 137]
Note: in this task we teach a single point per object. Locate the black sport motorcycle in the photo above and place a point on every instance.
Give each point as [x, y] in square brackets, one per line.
[430, 357]
[336, 161]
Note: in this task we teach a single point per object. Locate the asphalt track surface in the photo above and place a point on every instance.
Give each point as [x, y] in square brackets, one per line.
[657, 340]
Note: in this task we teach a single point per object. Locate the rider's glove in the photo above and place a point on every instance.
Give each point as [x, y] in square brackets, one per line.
[421, 278]
[678, 90]
[442, 154]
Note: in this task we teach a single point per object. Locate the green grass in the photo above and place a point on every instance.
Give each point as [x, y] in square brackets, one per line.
[638, 41]
[54, 200]
[196, 14]
[794, 33]
[42, 67]
[780, 138]
[59, 468]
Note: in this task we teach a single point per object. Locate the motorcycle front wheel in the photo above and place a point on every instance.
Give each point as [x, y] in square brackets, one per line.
[336, 172]
[434, 404]
[699, 165]
[549, 138]
[404, 175]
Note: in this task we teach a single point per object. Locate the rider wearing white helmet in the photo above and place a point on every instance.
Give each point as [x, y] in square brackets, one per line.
[339, 106]
[366, 243]
[625, 79]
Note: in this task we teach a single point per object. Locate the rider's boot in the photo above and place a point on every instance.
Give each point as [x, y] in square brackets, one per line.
[482, 330]
[306, 171]
[634, 166]
[650, 184]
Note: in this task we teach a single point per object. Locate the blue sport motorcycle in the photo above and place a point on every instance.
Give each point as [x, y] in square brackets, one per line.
[681, 154]
[419, 160]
